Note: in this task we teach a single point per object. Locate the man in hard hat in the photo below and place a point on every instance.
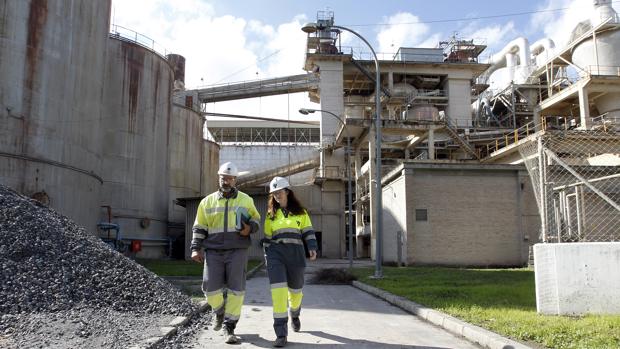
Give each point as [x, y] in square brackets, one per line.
[221, 235]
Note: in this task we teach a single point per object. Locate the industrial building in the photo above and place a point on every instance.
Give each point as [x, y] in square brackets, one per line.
[130, 153]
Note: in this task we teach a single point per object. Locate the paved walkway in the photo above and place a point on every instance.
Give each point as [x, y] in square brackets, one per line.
[333, 316]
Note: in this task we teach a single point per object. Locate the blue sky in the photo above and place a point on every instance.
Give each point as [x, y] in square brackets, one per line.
[233, 40]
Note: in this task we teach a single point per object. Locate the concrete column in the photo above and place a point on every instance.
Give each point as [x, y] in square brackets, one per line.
[459, 102]
[359, 214]
[372, 192]
[537, 119]
[584, 109]
[390, 80]
[431, 144]
[331, 86]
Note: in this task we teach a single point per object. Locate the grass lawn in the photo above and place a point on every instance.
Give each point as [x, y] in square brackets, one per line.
[501, 300]
[177, 267]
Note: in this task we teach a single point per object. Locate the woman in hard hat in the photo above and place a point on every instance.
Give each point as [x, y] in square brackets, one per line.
[287, 225]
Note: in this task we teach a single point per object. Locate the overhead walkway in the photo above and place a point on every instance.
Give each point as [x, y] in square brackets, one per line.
[258, 88]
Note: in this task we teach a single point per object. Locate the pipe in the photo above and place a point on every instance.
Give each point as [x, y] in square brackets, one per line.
[543, 45]
[518, 46]
[251, 179]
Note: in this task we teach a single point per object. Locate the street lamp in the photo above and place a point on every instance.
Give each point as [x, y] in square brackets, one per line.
[306, 111]
[313, 28]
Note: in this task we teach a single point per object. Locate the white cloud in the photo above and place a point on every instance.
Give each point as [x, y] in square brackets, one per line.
[220, 49]
[402, 30]
[558, 25]
[494, 36]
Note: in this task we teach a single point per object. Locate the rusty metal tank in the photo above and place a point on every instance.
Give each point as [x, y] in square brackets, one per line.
[136, 119]
[186, 158]
[210, 165]
[52, 56]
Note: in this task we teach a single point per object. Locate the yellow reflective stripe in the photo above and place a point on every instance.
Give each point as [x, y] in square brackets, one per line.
[279, 285]
[234, 302]
[294, 290]
[285, 230]
[295, 300]
[279, 297]
[216, 300]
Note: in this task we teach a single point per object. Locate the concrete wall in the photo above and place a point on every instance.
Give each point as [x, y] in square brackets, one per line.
[459, 104]
[396, 217]
[577, 278]
[476, 215]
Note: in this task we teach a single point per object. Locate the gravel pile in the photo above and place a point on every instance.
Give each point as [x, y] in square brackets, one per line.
[53, 270]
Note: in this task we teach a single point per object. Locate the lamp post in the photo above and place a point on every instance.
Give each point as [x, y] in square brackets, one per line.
[306, 111]
[313, 28]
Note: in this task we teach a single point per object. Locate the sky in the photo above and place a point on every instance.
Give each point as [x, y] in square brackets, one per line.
[227, 41]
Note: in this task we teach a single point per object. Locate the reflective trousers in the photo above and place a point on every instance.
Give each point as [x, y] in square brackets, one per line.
[226, 269]
[286, 283]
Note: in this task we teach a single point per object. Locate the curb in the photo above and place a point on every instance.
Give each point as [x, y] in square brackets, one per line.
[473, 333]
[171, 329]
[179, 321]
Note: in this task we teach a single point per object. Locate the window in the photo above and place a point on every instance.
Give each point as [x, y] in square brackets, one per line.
[421, 215]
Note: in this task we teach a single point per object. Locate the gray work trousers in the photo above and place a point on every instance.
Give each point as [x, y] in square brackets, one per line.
[226, 270]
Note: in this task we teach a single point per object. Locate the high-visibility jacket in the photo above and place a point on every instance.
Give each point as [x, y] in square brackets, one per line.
[216, 221]
[287, 229]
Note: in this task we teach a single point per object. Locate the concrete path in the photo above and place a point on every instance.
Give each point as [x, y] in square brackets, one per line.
[333, 316]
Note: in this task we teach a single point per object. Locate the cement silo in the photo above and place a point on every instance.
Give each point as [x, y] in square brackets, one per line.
[136, 117]
[210, 165]
[52, 57]
[186, 158]
[599, 55]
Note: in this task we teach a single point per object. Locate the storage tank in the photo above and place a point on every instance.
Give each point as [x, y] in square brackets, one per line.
[604, 59]
[137, 108]
[52, 57]
[210, 165]
[186, 153]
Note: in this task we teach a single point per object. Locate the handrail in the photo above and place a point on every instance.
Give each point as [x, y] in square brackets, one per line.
[137, 38]
[509, 138]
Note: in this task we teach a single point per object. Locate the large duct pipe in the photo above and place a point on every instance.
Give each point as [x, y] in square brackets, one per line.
[518, 46]
[543, 45]
[252, 179]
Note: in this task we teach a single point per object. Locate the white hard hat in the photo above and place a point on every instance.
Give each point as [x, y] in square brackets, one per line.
[228, 169]
[278, 183]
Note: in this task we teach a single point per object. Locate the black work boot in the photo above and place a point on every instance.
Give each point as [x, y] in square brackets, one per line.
[279, 342]
[296, 324]
[219, 319]
[229, 335]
